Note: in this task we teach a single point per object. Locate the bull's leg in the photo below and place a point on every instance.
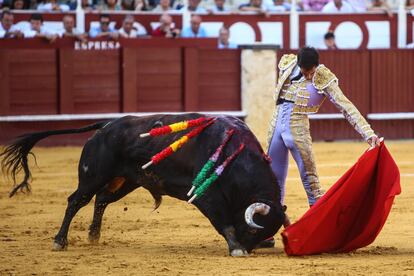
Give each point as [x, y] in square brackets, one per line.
[95, 227]
[75, 201]
[112, 193]
[235, 248]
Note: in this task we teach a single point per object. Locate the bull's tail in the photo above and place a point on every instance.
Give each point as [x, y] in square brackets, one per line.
[15, 155]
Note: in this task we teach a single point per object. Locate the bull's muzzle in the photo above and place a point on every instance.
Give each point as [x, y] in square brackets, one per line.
[255, 208]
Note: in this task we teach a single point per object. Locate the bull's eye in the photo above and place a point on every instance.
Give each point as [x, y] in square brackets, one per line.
[252, 231]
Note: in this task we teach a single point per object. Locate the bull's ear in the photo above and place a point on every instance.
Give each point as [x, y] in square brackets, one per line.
[284, 208]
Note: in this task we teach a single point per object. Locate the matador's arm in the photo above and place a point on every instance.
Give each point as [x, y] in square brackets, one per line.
[324, 80]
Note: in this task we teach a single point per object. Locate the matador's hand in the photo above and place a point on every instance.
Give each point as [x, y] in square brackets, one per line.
[374, 141]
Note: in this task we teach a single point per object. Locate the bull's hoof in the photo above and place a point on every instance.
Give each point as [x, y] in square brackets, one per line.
[94, 238]
[59, 247]
[239, 253]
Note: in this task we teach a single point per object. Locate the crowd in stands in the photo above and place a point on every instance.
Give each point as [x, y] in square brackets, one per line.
[35, 28]
[207, 6]
[166, 27]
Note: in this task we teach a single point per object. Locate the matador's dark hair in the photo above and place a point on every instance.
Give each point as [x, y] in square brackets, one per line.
[308, 57]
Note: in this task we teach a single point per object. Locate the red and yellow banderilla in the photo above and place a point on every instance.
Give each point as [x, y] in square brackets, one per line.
[177, 144]
[174, 127]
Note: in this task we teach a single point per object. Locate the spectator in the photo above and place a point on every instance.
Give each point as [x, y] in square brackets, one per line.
[194, 30]
[128, 29]
[358, 5]
[279, 6]
[111, 5]
[87, 5]
[193, 6]
[52, 5]
[166, 28]
[37, 29]
[140, 5]
[151, 4]
[19, 5]
[254, 6]
[223, 39]
[128, 5]
[381, 5]
[337, 6]
[177, 4]
[7, 28]
[163, 6]
[218, 7]
[314, 5]
[69, 29]
[103, 30]
[329, 39]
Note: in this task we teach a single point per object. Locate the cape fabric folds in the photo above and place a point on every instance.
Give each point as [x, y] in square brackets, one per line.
[352, 212]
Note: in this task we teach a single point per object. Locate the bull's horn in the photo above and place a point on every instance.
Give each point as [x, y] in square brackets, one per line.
[255, 208]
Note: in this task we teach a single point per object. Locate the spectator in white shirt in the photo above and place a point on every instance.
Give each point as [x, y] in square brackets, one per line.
[253, 6]
[69, 29]
[337, 6]
[52, 5]
[163, 6]
[7, 28]
[218, 7]
[37, 29]
[193, 6]
[278, 6]
[128, 29]
[358, 5]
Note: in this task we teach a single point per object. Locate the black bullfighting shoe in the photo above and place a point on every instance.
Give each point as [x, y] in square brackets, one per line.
[267, 243]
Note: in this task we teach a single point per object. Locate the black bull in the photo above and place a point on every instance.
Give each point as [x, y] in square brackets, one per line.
[243, 198]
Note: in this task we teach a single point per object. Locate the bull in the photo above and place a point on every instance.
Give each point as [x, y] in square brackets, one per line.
[243, 205]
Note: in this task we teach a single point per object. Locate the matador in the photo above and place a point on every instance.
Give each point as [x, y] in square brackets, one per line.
[302, 87]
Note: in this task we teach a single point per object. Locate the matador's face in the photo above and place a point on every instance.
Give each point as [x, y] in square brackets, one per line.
[308, 73]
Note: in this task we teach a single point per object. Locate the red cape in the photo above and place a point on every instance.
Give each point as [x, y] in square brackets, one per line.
[352, 212]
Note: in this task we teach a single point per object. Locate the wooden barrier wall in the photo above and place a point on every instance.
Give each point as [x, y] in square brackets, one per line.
[181, 75]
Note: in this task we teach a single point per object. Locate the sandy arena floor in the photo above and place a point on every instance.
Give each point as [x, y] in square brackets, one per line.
[177, 239]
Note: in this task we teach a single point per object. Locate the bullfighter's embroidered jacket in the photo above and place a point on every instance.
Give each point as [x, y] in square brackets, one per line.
[308, 96]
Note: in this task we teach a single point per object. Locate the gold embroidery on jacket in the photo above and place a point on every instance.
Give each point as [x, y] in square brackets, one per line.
[323, 77]
[286, 61]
